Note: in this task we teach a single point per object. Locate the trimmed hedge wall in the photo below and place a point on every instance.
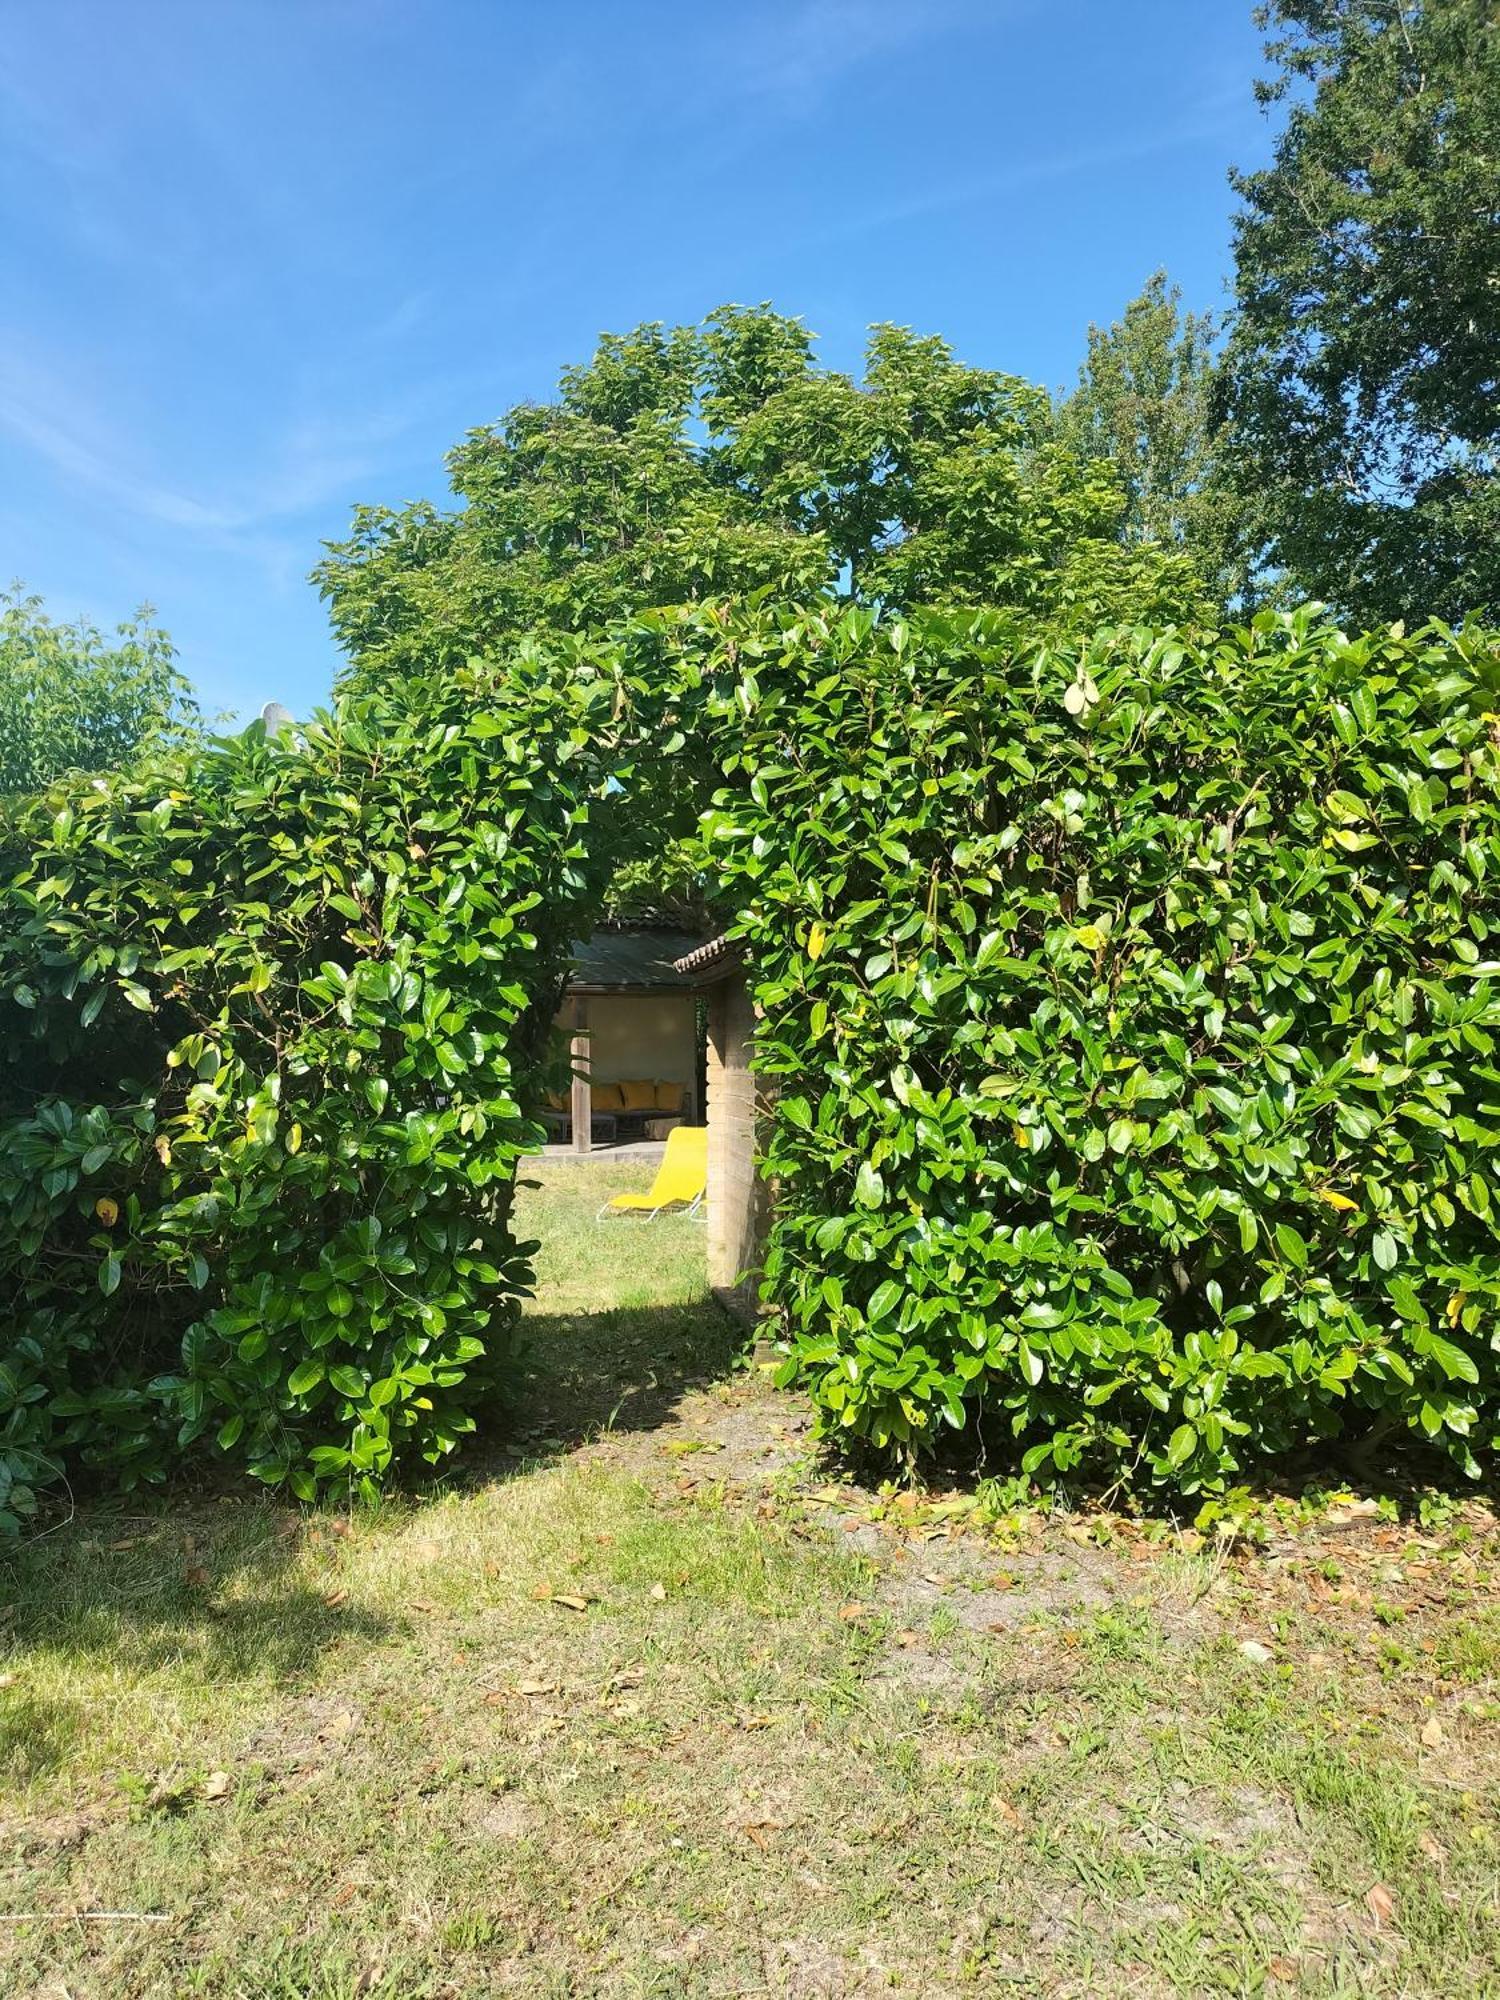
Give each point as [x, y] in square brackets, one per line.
[269, 1018]
[1134, 1010]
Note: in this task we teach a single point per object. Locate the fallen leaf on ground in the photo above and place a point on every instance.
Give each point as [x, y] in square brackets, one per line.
[1430, 1847]
[196, 1577]
[1283, 1968]
[217, 1785]
[538, 1687]
[852, 1613]
[658, 1591]
[1432, 1733]
[567, 1600]
[1381, 1904]
[1252, 1649]
[334, 1598]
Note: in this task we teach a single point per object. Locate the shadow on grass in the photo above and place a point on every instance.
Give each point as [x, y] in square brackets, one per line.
[623, 1325]
[624, 1370]
[623, 1329]
[205, 1589]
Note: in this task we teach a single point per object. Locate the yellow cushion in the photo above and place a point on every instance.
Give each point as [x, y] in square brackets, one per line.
[637, 1096]
[606, 1097]
[669, 1097]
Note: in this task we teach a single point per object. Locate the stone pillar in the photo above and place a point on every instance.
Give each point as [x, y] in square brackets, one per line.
[737, 1206]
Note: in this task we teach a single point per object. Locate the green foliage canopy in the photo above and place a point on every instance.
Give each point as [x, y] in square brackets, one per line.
[1133, 1002]
[1362, 377]
[72, 700]
[1145, 406]
[694, 463]
[271, 1018]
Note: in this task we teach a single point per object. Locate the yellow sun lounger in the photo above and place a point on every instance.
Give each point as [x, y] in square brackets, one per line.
[681, 1179]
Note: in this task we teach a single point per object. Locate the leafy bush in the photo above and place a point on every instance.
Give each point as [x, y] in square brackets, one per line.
[271, 1015]
[72, 700]
[1134, 1008]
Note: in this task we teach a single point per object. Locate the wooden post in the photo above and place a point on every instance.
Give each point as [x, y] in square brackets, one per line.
[583, 1093]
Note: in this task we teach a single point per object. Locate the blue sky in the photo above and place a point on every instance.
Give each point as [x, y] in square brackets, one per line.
[262, 259]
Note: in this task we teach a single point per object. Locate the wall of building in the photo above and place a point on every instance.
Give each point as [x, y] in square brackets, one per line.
[737, 1197]
[639, 1036]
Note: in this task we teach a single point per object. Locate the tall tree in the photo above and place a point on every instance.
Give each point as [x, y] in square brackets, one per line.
[72, 699]
[700, 462]
[1362, 381]
[1144, 405]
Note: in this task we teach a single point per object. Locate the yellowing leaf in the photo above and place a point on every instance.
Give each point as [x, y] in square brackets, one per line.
[107, 1211]
[164, 1149]
[1454, 1307]
[1091, 937]
[1331, 1198]
[294, 1139]
[1021, 1136]
[817, 937]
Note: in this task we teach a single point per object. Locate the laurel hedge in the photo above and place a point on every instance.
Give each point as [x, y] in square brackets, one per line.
[271, 1016]
[1132, 1005]
[1133, 1010]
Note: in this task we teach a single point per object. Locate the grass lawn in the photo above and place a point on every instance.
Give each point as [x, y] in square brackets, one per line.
[647, 1703]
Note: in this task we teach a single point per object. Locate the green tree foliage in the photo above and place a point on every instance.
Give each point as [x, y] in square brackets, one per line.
[72, 700]
[1134, 1006]
[1363, 373]
[1144, 405]
[271, 1015]
[705, 462]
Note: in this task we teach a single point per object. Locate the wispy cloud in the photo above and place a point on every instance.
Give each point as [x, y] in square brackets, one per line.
[800, 52]
[304, 465]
